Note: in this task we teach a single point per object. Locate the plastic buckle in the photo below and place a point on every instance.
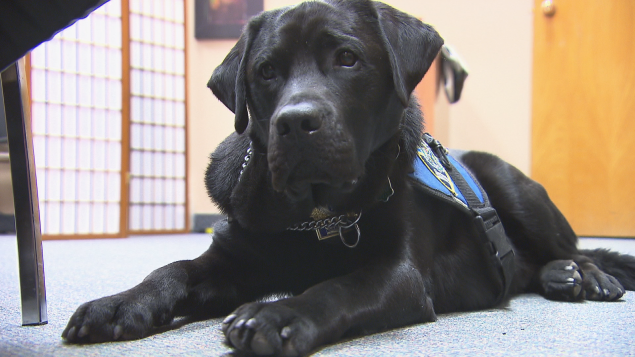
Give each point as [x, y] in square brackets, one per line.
[498, 246]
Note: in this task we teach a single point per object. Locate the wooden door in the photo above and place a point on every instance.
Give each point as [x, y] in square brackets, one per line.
[583, 138]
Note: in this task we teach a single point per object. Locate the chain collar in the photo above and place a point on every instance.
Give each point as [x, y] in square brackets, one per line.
[331, 227]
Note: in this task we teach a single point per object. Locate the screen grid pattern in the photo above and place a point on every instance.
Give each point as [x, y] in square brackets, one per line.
[157, 116]
[76, 114]
[80, 130]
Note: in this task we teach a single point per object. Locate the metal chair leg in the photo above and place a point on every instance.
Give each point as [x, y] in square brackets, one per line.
[27, 213]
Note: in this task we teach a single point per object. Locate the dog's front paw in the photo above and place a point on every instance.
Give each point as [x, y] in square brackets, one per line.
[561, 280]
[269, 329]
[110, 318]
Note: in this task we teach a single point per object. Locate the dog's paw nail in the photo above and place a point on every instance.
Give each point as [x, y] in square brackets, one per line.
[71, 334]
[117, 332]
[576, 290]
[571, 280]
[286, 332]
[234, 338]
[607, 292]
[577, 276]
[239, 324]
[83, 331]
[229, 319]
[569, 267]
[252, 323]
[261, 346]
[288, 349]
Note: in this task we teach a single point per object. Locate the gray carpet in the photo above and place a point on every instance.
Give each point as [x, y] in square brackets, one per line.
[78, 271]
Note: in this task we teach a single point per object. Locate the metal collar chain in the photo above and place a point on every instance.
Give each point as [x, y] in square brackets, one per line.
[332, 226]
[246, 161]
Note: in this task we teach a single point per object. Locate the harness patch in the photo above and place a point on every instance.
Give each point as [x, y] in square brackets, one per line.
[433, 164]
[432, 175]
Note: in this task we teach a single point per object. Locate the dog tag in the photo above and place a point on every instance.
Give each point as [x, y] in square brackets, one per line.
[326, 233]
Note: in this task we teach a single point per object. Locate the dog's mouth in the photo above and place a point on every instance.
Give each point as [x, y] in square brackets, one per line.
[310, 182]
[320, 192]
[316, 175]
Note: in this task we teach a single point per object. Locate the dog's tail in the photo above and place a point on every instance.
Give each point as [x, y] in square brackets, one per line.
[621, 266]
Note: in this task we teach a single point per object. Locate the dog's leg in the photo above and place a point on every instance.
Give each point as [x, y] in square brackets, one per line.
[200, 286]
[542, 237]
[371, 299]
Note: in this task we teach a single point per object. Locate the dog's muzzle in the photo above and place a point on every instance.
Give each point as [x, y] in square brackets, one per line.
[308, 145]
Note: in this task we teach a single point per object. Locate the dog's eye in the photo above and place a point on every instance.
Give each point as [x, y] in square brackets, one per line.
[347, 59]
[267, 71]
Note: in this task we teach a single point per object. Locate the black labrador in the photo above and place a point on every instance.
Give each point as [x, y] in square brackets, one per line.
[326, 133]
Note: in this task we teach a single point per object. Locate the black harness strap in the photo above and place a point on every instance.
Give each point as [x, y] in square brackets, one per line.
[486, 220]
[500, 250]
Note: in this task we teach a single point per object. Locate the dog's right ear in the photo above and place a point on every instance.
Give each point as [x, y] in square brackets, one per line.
[228, 81]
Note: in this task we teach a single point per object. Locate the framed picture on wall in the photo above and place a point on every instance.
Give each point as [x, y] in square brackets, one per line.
[224, 19]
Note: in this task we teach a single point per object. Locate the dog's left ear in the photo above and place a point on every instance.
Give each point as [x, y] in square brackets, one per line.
[228, 80]
[411, 45]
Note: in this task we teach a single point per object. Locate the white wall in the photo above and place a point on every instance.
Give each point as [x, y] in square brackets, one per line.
[493, 37]
[209, 122]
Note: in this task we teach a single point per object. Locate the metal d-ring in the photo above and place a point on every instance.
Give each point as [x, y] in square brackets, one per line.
[359, 233]
[392, 192]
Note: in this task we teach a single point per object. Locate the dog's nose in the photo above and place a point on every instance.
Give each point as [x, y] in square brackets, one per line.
[302, 118]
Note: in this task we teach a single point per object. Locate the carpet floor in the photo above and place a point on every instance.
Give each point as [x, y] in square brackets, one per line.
[78, 271]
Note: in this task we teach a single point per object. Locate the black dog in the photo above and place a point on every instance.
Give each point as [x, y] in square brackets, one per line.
[326, 135]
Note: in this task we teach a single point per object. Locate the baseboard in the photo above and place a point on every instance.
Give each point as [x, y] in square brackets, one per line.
[7, 223]
[204, 222]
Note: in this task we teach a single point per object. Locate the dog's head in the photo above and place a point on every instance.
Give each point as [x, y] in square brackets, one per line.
[324, 85]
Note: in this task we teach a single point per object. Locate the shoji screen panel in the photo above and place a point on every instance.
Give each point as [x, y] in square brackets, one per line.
[157, 116]
[77, 99]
